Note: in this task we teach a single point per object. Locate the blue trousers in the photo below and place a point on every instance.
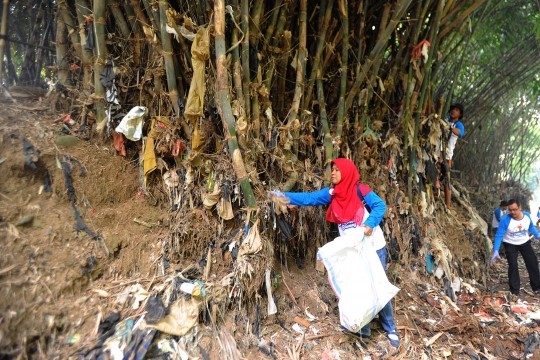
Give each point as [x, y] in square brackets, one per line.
[386, 315]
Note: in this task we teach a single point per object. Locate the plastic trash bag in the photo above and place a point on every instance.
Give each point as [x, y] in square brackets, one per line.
[357, 278]
[131, 125]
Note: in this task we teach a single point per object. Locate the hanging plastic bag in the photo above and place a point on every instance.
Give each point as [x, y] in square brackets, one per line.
[357, 278]
[131, 125]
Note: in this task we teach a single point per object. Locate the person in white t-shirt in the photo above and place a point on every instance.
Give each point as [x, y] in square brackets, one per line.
[514, 231]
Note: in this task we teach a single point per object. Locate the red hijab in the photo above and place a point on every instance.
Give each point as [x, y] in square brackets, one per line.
[345, 205]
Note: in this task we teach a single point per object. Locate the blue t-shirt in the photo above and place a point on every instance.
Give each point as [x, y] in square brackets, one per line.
[459, 125]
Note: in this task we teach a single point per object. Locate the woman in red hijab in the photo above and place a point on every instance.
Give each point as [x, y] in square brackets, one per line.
[347, 210]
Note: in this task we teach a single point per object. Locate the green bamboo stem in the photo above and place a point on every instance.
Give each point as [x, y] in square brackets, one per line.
[271, 26]
[318, 52]
[407, 115]
[377, 65]
[101, 61]
[362, 9]
[273, 48]
[83, 12]
[376, 51]
[425, 82]
[245, 60]
[61, 50]
[168, 56]
[71, 27]
[225, 110]
[326, 128]
[3, 32]
[120, 21]
[141, 17]
[236, 64]
[446, 29]
[185, 50]
[301, 64]
[26, 77]
[286, 39]
[344, 10]
[254, 25]
[254, 35]
[154, 18]
[131, 16]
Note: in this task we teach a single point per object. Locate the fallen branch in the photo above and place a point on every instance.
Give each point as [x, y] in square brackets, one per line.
[322, 335]
[290, 293]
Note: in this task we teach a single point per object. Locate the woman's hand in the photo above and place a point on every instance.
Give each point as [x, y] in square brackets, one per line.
[368, 231]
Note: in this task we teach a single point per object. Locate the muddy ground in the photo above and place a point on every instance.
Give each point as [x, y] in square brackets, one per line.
[57, 285]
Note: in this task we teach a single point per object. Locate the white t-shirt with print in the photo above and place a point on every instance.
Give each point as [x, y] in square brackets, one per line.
[517, 232]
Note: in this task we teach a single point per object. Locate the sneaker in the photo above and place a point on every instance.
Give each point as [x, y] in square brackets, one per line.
[393, 337]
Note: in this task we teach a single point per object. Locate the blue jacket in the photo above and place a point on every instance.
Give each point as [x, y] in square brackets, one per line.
[322, 197]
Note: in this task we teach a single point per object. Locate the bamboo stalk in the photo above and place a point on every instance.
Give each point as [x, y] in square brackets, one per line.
[120, 21]
[275, 41]
[283, 67]
[84, 12]
[377, 65]
[274, 15]
[131, 16]
[254, 30]
[61, 50]
[301, 64]
[222, 86]
[101, 61]
[154, 18]
[344, 10]
[69, 21]
[326, 128]
[245, 60]
[425, 83]
[12, 74]
[376, 51]
[446, 29]
[255, 34]
[39, 57]
[318, 52]
[141, 17]
[26, 76]
[237, 65]
[168, 56]
[3, 31]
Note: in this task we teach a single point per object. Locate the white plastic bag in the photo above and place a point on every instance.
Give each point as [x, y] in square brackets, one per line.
[357, 277]
[132, 124]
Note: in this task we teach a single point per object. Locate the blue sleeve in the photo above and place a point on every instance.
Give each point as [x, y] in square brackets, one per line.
[503, 225]
[459, 125]
[532, 228]
[378, 208]
[497, 213]
[321, 197]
